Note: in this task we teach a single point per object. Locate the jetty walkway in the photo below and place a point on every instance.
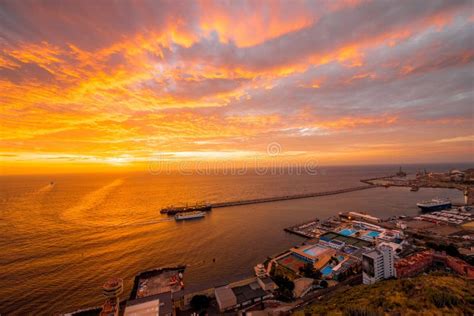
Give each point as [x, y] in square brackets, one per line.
[291, 197]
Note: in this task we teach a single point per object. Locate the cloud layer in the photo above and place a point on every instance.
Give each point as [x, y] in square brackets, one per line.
[345, 82]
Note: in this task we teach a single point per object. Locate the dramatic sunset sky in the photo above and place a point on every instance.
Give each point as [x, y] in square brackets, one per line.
[98, 84]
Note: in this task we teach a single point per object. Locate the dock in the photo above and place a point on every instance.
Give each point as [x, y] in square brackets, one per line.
[291, 197]
[306, 230]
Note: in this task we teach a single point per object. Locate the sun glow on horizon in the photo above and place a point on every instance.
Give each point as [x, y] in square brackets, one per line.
[221, 81]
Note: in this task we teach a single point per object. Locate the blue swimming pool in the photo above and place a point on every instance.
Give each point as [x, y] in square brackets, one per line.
[347, 232]
[326, 270]
[314, 250]
[373, 234]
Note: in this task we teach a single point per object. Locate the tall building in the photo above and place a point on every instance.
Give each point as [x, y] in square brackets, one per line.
[378, 264]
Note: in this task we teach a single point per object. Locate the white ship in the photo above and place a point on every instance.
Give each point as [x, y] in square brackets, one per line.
[189, 215]
[434, 205]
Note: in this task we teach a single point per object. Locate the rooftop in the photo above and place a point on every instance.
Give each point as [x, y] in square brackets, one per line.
[414, 259]
[225, 297]
[147, 308]
[248, 292]
[348, 240]
[164, 299]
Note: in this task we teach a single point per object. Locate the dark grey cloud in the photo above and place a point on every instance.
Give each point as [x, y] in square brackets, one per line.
[331, 31]
[90, 25]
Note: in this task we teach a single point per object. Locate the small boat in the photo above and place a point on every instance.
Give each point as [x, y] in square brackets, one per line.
[414, 188]
[189, 215]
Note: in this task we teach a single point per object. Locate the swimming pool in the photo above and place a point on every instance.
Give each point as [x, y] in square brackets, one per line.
[314, 250]
[347, 232]
[326, 270]
[373, 234]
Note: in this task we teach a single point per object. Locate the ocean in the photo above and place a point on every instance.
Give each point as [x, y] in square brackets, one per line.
[61, 242]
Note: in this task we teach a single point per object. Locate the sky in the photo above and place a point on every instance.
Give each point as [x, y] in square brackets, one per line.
[116, 84]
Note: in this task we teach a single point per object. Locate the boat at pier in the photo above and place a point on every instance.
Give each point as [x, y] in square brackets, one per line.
[172, 210]
[189, 215]
[434, 205]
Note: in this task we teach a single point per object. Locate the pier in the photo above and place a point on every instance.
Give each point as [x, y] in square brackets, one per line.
[371, 180]
[291, 197]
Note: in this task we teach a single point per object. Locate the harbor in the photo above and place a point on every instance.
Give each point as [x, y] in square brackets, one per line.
[124, 234]
[336, 253]
[172, 210]
[454, 179]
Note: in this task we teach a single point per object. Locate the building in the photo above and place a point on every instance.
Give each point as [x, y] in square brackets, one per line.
[241, 296]
[347, 268]
[147, 308]
[359, 216]
[336, 244]
[419, 262]
[414, 264]
[397, 248]
[378, 264]
[225, 298]
[317, 254]
[249, 294]
[158, 304]
[460, 266]
[267, 284]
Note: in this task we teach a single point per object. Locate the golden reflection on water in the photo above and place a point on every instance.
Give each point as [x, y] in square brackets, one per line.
[60, 242]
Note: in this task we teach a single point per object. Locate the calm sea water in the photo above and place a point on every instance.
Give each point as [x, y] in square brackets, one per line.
[60, 243]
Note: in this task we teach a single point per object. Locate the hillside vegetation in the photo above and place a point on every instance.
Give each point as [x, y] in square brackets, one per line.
[434, 294]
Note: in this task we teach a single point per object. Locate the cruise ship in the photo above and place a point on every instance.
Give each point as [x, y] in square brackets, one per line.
[434, 205]
[172, 210]
[189, 215]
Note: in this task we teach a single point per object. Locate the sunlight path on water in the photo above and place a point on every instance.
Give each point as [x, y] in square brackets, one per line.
[82, 213]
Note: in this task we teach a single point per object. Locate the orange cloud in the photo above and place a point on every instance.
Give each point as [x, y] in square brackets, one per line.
[246, 27]
[145, 92]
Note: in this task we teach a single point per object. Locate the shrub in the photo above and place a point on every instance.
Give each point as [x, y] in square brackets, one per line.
[443, 299]
[308, 271]
[284, 283]
[360, 311]
[408, 287]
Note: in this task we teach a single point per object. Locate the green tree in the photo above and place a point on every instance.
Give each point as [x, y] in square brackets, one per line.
[308, 271]
[284, 282]
[285, 288]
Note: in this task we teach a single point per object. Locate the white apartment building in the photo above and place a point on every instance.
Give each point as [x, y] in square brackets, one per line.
[378, 264]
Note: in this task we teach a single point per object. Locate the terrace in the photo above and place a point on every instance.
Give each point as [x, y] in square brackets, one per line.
[363, 231]
[165, 281]
[347, 240]
[292, 263]
[316, 254]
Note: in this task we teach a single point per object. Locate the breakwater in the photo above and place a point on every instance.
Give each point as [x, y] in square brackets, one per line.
[291, 197]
